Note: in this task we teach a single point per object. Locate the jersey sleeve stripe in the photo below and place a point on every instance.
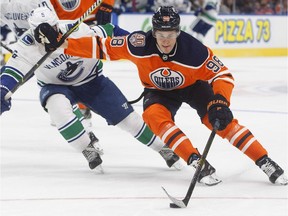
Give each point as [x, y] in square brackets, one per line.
[94, 47]
[104, 49]
[218, 75]
[225, 79]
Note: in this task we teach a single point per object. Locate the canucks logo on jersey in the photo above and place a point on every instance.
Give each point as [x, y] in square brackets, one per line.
[166, 79]
[28, 40]
[67, 74]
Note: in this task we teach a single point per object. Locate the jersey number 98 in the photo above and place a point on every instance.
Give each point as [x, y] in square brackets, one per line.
[117, 42]
[215, 64]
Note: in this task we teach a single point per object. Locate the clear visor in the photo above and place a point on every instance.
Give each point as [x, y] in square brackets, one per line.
[166, 34]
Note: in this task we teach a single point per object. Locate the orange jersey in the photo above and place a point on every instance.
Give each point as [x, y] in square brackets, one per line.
[188, 62]
[75, 9]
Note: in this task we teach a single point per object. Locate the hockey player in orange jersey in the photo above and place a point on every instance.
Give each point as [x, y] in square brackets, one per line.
[176, 68]
[70, 10]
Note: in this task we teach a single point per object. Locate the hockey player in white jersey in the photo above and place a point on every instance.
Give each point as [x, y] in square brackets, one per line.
[14, 13]
[207, 15]
[66, 80]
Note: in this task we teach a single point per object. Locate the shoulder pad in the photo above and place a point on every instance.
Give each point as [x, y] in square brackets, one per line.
[141, 43]
[193, 52]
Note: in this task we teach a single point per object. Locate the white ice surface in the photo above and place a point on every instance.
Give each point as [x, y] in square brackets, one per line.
[41, 175]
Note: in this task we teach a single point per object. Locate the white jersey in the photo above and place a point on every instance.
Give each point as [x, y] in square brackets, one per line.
[210, 11]
[15, 13]
[58, 68]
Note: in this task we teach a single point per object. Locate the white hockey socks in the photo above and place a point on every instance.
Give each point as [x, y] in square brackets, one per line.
[67, 123]
[135, 125]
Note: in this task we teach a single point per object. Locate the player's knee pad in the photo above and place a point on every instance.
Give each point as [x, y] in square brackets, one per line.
[156, 117]
[231, 130]
[59, 109]
[133, 123]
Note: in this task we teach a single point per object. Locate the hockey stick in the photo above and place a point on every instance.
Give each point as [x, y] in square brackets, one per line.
[30, 73]
[6, 47]
[176, 203]
[138, 99]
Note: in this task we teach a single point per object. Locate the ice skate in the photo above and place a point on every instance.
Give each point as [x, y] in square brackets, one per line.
[92, 155]
[172, 160]
[272, 170]
[96, 144]
[207, 175]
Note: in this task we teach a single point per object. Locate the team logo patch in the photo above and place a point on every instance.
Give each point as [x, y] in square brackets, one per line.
[166, 79]
[28, 40]
[137, 40]
[71, 72]
[69, 5]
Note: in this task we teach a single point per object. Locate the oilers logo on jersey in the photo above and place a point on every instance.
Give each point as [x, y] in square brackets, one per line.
[69, 5]
[166, 79]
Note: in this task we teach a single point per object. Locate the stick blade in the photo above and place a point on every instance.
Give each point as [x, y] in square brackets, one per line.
[175, 202]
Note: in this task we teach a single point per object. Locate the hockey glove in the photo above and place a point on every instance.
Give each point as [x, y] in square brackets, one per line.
[47, 35]
[5, 104]
[218, 109]
[103, 15]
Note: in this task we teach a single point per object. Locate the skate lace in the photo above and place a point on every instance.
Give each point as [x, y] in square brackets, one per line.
[98, 149]
[207, 175]
[95, 143]
[90, 153]
[195, 164]
[268, 168]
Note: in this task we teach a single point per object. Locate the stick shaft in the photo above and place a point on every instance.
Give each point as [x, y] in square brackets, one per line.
[201, 163]
[177, 203]
[6, 47]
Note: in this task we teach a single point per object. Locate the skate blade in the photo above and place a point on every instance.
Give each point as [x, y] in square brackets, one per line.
[282, 180]
[99, 169]
[210, 180]
[178, 165]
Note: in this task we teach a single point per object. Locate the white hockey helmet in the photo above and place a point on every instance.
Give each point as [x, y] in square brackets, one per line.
[42, 15]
